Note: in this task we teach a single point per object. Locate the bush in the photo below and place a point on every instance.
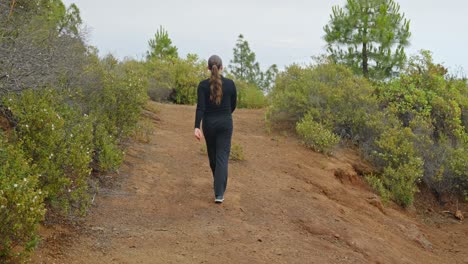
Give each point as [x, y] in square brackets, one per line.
[326, 102]
[329, 93]
[433, 104]
[161, 80]
[316, 136]
[107, 154]
[250, 96]
[403, 168]
[58, 140]
[115, 110]
[175, 79]
[21, 203]
[377, 184]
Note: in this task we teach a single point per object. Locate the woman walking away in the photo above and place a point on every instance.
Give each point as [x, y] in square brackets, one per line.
[217, 98]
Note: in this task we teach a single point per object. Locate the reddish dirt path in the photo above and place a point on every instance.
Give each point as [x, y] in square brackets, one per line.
[283, 205]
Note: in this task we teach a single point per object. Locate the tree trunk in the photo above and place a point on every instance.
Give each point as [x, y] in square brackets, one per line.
[365, 69]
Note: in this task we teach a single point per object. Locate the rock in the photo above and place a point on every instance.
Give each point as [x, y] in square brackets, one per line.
[377, 203]
[97, 228]
[415, 234]
[459, 215]
[346, 176]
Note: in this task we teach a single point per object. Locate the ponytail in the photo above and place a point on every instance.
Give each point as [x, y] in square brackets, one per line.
[216, 84]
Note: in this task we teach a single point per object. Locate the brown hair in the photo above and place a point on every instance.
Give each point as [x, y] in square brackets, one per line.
[216, 84]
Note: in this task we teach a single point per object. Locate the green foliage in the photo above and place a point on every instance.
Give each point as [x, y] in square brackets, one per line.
[58, 140]
[115, 110]
[175, 79]
[75, 119]
[188, 74]
[363, 34]
[316, 136]
[107, 154]
[161, 46]
[377, 184]
[432, 104]
[21, 203]
[403, 168]
[244, 67]
[330, 93]
[326, 102]
[249, 96]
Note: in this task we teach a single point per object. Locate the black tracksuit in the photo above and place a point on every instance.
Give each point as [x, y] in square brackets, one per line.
[217, 129]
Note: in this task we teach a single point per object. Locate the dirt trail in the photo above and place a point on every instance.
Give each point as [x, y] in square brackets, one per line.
[284, 204]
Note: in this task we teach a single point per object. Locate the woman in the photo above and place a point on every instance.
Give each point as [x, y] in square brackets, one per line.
[217, 98]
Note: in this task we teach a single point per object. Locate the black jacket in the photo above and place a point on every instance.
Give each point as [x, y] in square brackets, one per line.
[205, 106]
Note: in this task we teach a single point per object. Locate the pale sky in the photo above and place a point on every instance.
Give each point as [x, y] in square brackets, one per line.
[278, 31]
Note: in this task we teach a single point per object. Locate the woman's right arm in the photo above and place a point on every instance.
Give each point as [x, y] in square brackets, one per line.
[200, 106]
[234, 98]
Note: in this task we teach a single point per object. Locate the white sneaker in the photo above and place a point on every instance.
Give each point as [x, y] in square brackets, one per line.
[219, 199]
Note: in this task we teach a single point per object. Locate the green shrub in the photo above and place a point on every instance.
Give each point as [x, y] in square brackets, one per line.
[250, 96]
[330, 93]
[21, 203]
[161, 79]
[377, 184]
[58, 140]
[316, 136]
[403, 167]
[115, 110]
[107, 154]
[175, 79]
[433, 104]
[188, 73]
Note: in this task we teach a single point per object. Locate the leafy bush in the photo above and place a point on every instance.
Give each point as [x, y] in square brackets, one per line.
[107, 154]
[58, 140]
[21, 202]
[115, 110]
[329, 93]
[250, 96]
[326, 102]
[316, 136]
[433, 105]
[175, 79]
[377, 184]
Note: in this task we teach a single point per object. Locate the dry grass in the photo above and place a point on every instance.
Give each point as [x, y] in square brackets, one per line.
[237, 152]
[144, 130]
[152, 107]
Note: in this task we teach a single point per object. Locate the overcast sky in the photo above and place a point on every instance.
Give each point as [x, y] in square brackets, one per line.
[278, 31]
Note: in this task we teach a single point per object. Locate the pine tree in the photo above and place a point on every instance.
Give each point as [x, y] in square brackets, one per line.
[161, 46]
[369, 36]
[244, 66]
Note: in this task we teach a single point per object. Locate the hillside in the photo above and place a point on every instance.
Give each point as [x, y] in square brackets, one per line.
[284, 204]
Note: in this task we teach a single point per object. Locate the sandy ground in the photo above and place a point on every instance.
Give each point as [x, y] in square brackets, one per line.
[284, 204]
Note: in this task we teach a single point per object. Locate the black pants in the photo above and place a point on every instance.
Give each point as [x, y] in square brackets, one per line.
[217, 130]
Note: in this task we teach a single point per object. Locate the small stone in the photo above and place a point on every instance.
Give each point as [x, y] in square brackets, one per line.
[459, 215]
[337, 236]
[259, 240]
